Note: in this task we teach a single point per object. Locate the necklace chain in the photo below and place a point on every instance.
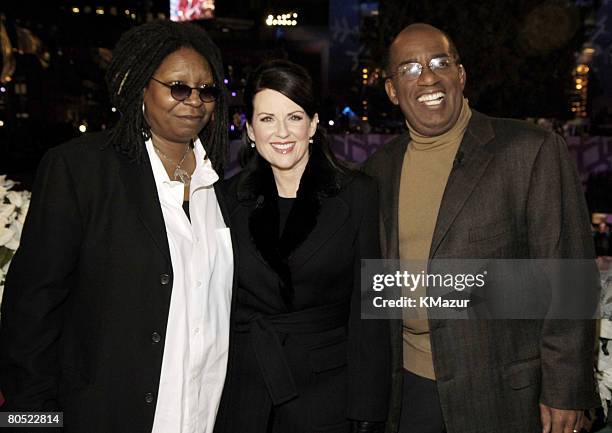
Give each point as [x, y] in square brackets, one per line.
[180, 173]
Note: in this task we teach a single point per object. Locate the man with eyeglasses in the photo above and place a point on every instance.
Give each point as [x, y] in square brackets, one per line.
[463, 185]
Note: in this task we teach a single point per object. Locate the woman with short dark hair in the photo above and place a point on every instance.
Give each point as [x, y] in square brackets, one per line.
[302, 360]
[116, 306]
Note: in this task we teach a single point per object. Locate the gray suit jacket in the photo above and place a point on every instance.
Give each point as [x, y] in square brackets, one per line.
[512, 193]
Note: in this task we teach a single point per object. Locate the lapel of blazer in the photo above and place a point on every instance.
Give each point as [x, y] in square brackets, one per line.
[389, 200]
[333, 215]
[141, 190]
[318, 210]
[239, 225]
[464, 176]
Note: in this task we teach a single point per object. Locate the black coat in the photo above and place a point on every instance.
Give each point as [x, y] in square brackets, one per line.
[299, 349]
[87, 296]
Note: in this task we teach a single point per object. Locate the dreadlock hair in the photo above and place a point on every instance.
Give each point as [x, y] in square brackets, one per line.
[136, 57]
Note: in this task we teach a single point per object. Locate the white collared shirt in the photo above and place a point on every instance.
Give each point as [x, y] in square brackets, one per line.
[197, 337]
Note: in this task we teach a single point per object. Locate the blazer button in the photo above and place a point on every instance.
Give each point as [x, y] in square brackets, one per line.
[164, 279]
[149, 397]
[155, 337]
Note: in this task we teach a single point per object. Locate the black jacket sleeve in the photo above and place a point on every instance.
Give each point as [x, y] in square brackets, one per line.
[369, 342]
[36, 290]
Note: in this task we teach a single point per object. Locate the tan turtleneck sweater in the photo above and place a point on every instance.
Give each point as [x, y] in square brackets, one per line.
[427, 164]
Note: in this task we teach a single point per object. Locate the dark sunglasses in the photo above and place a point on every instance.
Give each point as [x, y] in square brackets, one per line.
[180, 92]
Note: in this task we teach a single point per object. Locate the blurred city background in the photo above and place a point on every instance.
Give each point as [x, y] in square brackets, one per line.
[546, 61]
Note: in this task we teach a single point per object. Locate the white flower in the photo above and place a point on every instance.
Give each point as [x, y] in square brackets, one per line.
[7, 213]
[5, 185]
[603, 372]
[604, 379]
[23, 212]
[15, 198]
[13, 243]
[16, 228]
[6, 235]
[13, 209]
[8, 184]
[3, 271]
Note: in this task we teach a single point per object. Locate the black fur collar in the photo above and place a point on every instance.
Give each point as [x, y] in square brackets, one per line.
[257, 186]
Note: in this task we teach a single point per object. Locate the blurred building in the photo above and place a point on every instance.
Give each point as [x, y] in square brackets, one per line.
[54, 57]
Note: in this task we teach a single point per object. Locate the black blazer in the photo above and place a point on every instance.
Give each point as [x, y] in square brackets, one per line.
[514, 193]
[86, 300]
[298, 342]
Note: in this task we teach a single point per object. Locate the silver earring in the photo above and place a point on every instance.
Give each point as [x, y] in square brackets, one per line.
[310, 140]
[252, 145]
[146, 130]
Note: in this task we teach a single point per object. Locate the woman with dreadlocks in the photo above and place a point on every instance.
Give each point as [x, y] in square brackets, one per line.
[116, 306]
